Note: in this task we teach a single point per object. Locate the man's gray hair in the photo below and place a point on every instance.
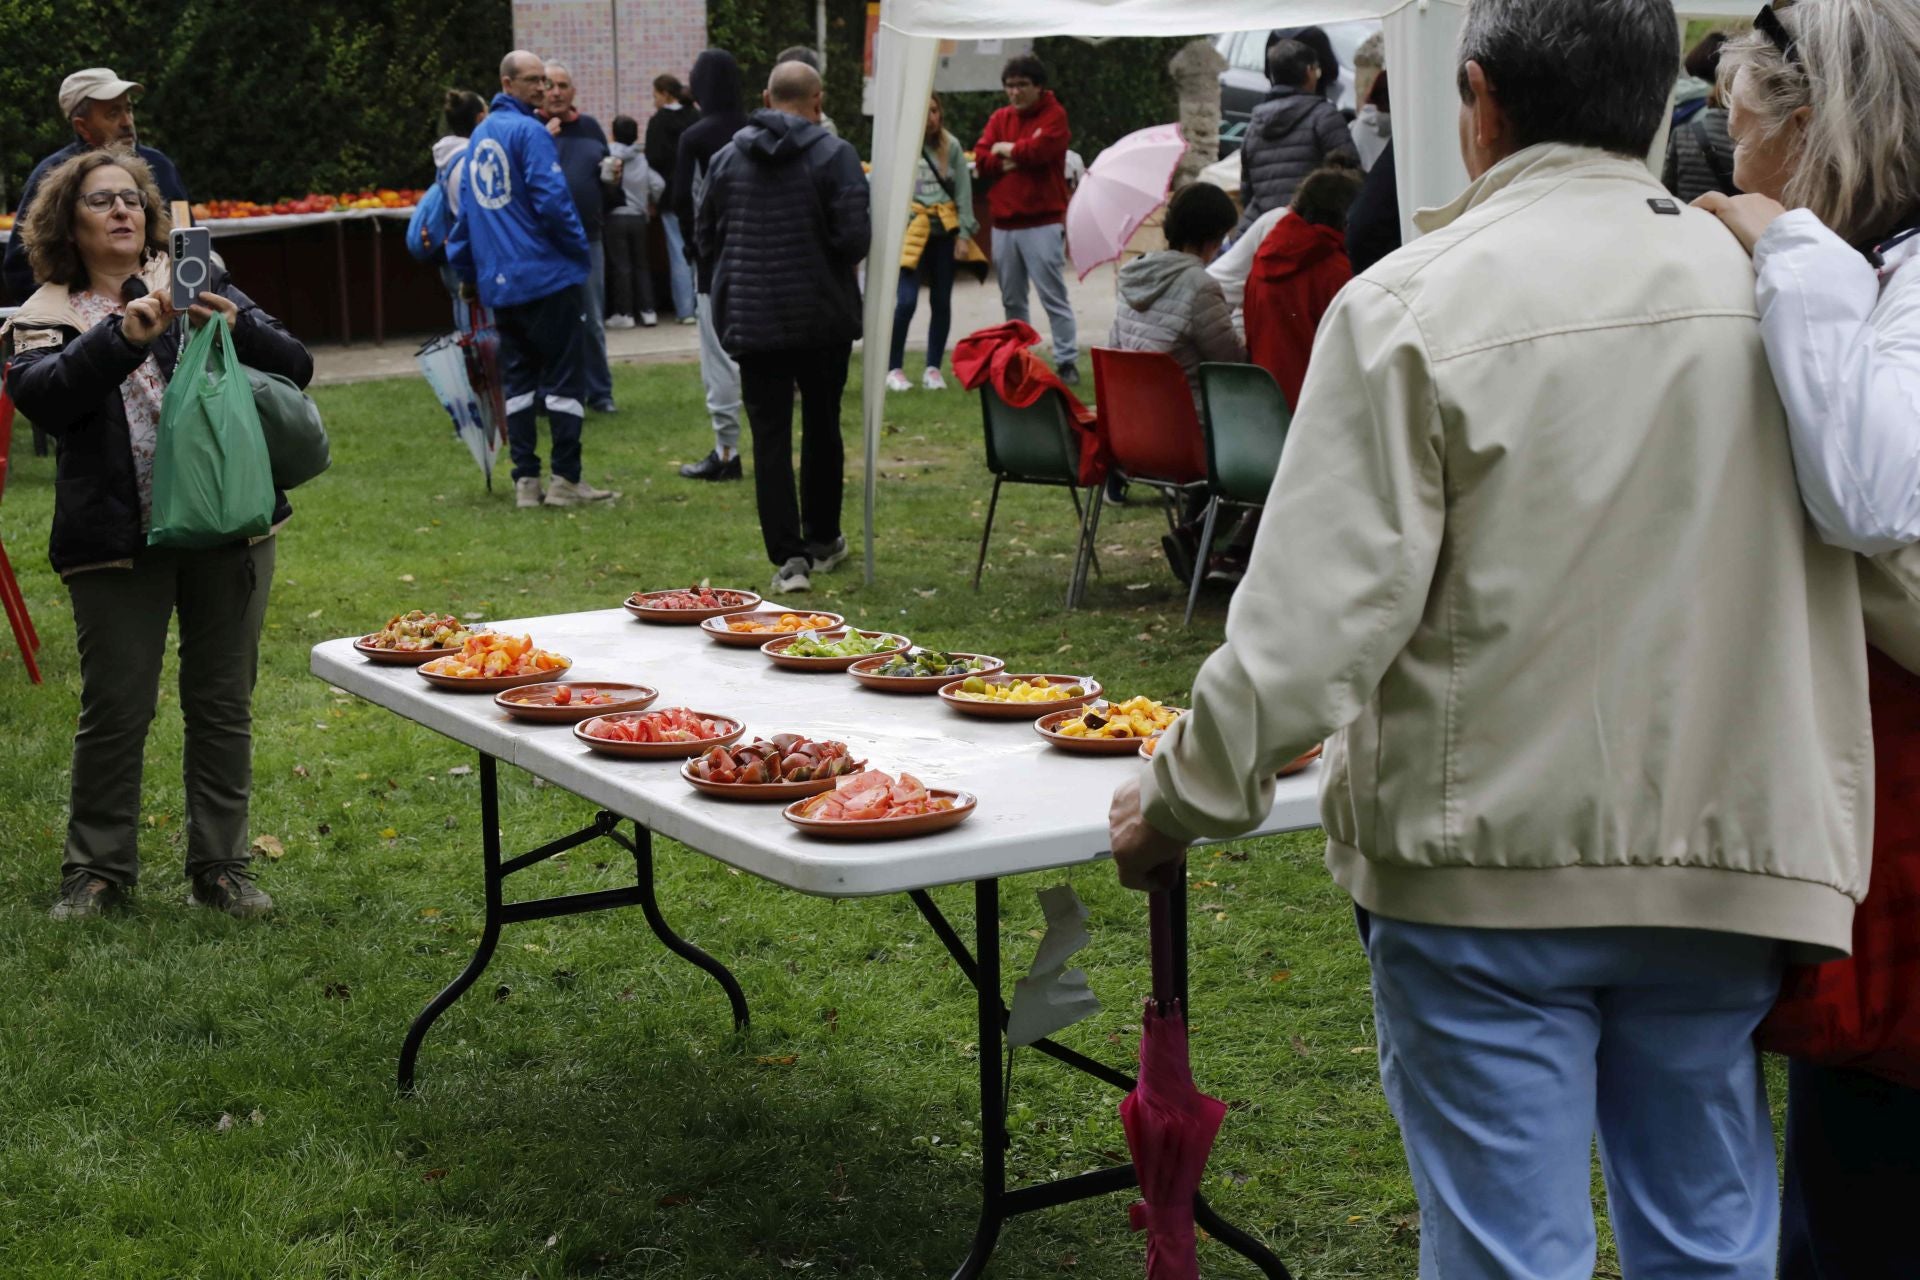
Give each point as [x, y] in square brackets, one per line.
[1594, 73]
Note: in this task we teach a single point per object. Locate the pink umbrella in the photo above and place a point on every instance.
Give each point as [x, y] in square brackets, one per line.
[1121, 189]
[1170, 1124]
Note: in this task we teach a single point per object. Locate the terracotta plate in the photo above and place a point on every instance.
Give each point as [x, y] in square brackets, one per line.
[716, 626]
[888, 828]
[776, 651]
[492, 684]
[398, 657]
[1020, 710]
[1046, 727]
[637, 606]
[661, 750]
[762, 791]
[520, 703]
[863, 671]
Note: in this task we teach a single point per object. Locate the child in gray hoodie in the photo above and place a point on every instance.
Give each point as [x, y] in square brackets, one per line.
[630, 278]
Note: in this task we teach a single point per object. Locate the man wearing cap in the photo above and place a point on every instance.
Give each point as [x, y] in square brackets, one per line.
[99, 105]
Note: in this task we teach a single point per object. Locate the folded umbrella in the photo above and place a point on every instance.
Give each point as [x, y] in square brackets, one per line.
[1170, 1124]
[444, 362]
[481, 342]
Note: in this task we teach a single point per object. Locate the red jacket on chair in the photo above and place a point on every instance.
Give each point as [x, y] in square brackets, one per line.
[1034, 192]
[999, 355]
[1299, 268]
[1864, 1011]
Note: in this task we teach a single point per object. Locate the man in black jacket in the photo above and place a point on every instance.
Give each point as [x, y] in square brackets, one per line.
[715, 81]
[783, 224]
[1292, 133]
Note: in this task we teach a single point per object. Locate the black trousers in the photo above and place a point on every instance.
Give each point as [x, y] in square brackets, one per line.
[629, 277]
[1853, 1176]
[767, 380]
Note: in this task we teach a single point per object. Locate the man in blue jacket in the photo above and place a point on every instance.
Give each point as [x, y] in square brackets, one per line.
[518, 239]
[99, 106]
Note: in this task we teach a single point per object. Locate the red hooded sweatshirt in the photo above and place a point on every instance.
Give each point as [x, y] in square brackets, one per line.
[1296, 273]
[1034, 192]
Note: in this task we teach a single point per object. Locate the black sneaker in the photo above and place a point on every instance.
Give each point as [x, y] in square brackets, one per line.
[85, 897]
[827, 559]
[1069, 373]
[1116, 491]
[711, 468]
[231, 890]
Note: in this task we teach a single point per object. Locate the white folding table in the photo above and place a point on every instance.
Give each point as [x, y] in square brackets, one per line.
[1039, 808]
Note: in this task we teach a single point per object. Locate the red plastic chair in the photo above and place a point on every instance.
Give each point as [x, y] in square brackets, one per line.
[1150, 429]
[16, 604]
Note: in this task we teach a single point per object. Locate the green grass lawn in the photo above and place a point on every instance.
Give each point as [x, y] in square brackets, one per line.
[185, 1095]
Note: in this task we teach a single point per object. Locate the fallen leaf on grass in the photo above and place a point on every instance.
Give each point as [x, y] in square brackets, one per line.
[429, 913]
[223, 1124]
[314, 614]
[388, 833]
[1063, 648]
[300, 771]
[406, 577]
[337, 991]
[1300, 1047]
[268, 847]
[674, 1201]
[1363, 1048]
[433, 1175]
[257, 1117]
[532, 946]
[779, 1060]
[1280, 975]
[553, 1241]
[928, 594]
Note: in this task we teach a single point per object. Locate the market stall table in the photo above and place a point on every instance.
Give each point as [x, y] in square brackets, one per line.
[1039, 809]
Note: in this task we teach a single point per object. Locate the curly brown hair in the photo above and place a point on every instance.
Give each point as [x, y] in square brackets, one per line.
[48, 227]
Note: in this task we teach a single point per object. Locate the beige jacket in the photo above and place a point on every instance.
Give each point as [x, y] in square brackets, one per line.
[1535, 559]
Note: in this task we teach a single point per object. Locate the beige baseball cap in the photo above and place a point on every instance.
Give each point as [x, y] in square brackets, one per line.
[94, 82]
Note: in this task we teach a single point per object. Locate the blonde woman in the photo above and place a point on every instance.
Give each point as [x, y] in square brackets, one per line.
[941, 214]
[1825, 118]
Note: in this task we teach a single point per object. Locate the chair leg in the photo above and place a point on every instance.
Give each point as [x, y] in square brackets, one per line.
[993, 504]
[1200, 561]
[1089, 532]
[16, 610]
[1080, 520]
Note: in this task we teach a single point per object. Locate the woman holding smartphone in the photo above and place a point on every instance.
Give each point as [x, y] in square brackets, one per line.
[89, 356]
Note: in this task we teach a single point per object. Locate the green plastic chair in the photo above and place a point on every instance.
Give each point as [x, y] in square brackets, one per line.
[1244, 419]
[1034, 445]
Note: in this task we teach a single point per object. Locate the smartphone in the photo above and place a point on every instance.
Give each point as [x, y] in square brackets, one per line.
[192, 264]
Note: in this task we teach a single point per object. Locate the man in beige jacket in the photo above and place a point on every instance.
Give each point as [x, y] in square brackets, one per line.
[1596, 693]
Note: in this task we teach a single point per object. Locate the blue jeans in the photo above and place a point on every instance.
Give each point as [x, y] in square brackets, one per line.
[936, 268]
[543, 345]
[1504, 1050]
[679, 270]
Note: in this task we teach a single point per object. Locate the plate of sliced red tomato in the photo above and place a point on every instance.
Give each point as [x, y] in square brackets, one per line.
[671, 733]
[872, 805]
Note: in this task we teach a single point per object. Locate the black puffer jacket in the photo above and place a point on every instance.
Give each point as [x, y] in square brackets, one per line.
[1289, 136]
[67, 382]
[1700, 156]
[784, 221]
[715, 82]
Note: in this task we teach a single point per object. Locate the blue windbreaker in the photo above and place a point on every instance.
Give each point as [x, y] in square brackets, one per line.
[518, 236]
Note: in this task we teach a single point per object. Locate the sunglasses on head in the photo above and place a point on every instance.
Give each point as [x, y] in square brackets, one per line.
[1768, 23]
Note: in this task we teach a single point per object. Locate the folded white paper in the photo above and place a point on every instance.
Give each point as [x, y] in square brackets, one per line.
[1052, 997]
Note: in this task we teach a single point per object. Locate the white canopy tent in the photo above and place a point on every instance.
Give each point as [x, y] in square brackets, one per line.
[1421, 36]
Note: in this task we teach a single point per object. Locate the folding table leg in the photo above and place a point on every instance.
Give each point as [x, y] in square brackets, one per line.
[993, 1107]
[650, 906]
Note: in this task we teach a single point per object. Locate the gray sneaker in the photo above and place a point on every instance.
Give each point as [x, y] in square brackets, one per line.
[231, 890]
[526, 491]
[573, 493]
[85, 897]
[792, 577]
[828, 559]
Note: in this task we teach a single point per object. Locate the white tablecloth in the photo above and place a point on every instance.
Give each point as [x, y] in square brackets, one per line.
[1039, 807]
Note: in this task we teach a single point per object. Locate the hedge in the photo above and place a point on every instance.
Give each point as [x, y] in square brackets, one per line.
[255, 104]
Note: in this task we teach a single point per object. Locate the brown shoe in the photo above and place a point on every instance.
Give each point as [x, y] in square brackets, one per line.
[231, 890]
[85, 897]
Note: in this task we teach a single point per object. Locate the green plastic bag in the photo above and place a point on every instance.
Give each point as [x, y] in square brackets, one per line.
[296, 438]
[212, 479]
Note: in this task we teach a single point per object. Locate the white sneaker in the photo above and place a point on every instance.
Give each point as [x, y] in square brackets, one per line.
[619, 322]
[689, 319]
[931, 379]
[526, 491]
[897, 380]
[830, 559]
[792, 577]
[572, 493]
[648, 319]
